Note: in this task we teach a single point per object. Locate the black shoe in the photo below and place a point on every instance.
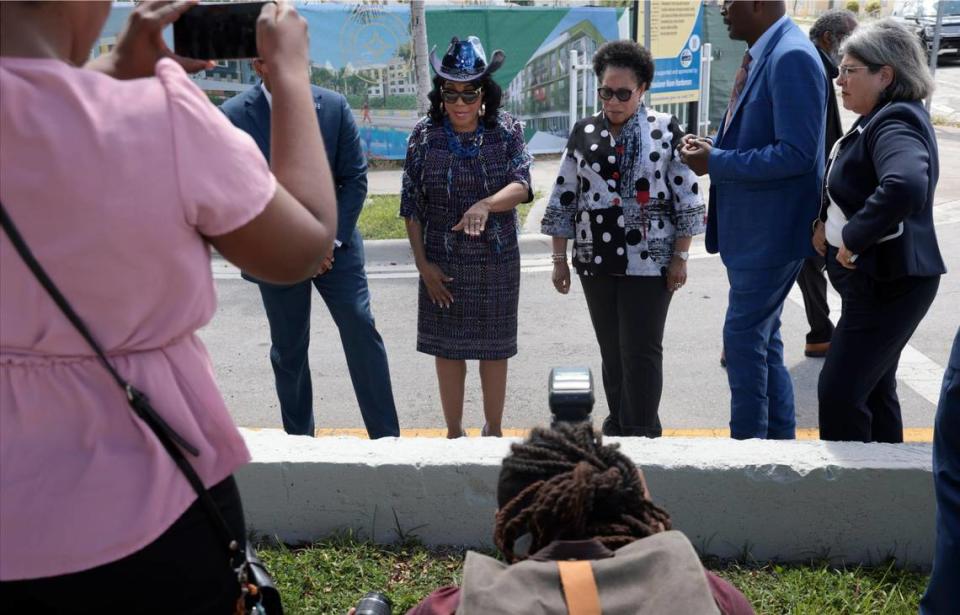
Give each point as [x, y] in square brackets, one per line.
[610, 427]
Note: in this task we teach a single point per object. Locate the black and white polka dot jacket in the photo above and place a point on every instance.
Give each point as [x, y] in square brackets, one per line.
[624, 200]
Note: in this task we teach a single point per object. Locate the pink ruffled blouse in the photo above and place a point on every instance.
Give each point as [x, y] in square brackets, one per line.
[114, 185]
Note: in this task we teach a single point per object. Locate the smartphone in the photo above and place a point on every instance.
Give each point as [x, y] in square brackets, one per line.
[218, 31]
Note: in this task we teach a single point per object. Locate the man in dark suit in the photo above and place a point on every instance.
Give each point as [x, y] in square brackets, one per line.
[946, 483]
[827, 34]
[341, 281]
[765, 170]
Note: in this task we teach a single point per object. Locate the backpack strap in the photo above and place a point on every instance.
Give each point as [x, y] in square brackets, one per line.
[579, 588]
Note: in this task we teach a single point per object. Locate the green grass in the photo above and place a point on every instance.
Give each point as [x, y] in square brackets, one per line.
[820, 589]
[524, 208]
[330, 576]
[380, 218]
[942, 120]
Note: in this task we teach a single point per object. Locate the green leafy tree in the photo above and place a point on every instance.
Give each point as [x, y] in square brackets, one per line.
[322, 77]
[405, 51]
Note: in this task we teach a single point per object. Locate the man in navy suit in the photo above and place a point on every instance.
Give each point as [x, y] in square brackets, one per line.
[341, 281]
[765, 168]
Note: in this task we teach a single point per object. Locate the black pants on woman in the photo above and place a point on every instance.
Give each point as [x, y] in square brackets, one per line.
[186, 570]
[858, 383]
[813, 286]
[628, 314]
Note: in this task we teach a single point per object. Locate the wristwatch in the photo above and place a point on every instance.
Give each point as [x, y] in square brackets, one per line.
[683, 255]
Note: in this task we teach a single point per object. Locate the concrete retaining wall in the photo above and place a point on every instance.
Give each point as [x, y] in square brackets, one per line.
[772, 500]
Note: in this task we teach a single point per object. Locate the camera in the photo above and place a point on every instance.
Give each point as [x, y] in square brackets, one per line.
[570, 394]
[374, 603]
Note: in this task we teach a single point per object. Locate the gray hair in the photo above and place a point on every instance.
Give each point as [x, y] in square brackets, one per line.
[888, 43]
[840, 22]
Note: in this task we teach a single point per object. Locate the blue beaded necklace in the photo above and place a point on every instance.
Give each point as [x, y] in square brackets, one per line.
[459, 150]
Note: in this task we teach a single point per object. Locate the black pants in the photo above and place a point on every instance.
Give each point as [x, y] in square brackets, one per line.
[628, 315]
[813, 286]
[858, 382]
[186, 570]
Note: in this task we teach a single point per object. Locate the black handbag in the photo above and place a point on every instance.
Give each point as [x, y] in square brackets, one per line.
[259, 595]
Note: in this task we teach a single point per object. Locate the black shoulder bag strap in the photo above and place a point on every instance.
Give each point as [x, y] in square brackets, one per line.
[170, 439]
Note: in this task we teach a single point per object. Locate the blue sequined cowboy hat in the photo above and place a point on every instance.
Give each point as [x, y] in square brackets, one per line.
[465, 60]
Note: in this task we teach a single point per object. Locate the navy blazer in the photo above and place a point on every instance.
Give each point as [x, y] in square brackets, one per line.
[883, 178]
[250, 112]
[766, 166]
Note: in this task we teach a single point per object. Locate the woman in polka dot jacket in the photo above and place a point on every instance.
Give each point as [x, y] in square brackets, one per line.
[631, 207]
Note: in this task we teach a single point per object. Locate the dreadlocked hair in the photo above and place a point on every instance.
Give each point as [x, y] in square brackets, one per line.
[563, 483]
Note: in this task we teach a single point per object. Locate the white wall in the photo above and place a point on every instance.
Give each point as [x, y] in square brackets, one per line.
[778, 500]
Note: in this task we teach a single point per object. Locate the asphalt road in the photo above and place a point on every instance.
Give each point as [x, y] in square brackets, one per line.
[946, 97]
[555, 330]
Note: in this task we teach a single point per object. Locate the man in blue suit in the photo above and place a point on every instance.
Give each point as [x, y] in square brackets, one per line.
[341, 281]
[765, 168]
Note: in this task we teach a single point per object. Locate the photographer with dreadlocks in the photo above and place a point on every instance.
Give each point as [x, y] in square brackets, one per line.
[591, 536]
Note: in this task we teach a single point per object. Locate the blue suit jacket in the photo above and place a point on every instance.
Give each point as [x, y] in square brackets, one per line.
[250, 112]
[767, 165]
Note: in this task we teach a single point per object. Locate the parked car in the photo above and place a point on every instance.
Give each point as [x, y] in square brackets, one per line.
[921, 17]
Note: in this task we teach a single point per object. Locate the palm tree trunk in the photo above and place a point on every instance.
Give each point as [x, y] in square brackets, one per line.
[418, 29]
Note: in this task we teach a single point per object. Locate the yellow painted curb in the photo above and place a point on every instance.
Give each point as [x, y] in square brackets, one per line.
[911, 434]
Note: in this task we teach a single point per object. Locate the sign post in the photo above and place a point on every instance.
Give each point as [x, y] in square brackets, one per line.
[937, 28]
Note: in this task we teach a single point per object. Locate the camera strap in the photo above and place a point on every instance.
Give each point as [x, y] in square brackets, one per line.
[172, 442]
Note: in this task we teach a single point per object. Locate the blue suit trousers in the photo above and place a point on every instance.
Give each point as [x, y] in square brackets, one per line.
[344, 290]
[941, 596]
[761, 393]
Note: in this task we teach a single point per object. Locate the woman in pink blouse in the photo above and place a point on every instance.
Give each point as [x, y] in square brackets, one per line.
[120, 175]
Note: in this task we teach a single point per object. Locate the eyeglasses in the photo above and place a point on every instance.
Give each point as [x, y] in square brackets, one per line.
[846, 69]
[467, 96]
[622, 94]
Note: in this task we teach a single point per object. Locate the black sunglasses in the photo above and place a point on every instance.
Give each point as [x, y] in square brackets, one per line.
[467, 96]
[623, 94]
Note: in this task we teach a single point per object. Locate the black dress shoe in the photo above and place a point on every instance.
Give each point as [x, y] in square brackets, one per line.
[610, 427]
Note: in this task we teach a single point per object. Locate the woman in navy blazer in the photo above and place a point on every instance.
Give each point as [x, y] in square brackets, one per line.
[876, 230]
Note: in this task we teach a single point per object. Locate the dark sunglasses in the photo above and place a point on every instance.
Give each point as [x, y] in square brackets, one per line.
[467, 96]
[623, 94]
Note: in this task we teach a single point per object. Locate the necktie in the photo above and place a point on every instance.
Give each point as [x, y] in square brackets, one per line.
[738, 83]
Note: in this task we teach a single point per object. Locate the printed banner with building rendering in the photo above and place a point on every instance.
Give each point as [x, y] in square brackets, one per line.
[364, 52]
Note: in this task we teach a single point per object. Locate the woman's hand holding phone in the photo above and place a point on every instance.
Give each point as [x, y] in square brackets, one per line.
[140, 43]
[282, 39]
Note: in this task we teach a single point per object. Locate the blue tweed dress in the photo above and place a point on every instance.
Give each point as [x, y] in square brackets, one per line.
[439, 185]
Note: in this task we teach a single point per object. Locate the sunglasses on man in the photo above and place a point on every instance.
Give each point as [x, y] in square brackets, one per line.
[622, 94]
[467, 96]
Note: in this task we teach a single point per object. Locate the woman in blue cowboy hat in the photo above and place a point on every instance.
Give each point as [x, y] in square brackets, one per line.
[466, 171]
